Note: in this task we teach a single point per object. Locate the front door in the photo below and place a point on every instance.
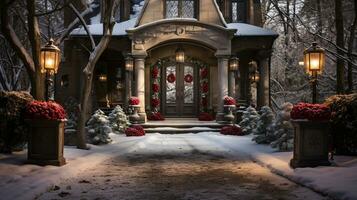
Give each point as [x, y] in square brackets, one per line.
[180, 90]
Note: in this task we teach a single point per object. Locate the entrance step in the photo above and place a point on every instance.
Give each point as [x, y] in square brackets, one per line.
[175, 130]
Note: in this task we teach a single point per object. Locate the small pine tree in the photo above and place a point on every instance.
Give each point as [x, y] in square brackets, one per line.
[283, 131]
[98, 128]
[118, 120]
[264, 126]
[249, 120]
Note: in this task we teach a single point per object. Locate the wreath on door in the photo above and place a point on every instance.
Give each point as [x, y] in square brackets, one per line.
[171, 78]
[188, 78]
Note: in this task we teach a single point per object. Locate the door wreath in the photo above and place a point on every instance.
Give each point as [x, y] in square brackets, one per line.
[188, 78]
[171, 78]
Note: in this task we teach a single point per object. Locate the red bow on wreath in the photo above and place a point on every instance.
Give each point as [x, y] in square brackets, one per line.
[188, 78]
[171, 78]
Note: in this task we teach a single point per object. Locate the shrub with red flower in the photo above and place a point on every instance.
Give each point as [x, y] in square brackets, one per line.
[155, 87]
[155, 72]
[44, 110]
[135, 130]
[229, 100]
[205, 87]
[231, 130]
[155, 102]
[312, 112]
[134, 101]
[204, 72]
[171, 78]
[204, 116]
[156, 116]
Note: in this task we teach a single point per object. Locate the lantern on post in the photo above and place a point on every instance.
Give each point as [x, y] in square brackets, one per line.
[233, 64]
[180, 55]
[49, 60]
[129, 67]
[255, 77]
[314, 61]
[129, 63]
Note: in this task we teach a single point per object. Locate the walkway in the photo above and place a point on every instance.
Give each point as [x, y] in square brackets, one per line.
[189, 166]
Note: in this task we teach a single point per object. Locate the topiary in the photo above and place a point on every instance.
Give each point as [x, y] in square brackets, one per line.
[118, 120]
[249, 120]
[264, 124]
[98, 128]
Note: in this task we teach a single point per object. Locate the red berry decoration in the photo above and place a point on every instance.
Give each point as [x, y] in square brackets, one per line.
[205, 87]
[171, 78]
[155, 72]
[204, 73]
[155, 87]
[156, 117]
[231, 130]
[229, 100]
[135, 130]
[155, 102]
[188, 78]
[312, 112]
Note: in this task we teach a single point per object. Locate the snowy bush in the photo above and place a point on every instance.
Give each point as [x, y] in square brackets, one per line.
[249, 120]
[98, 127]
[118, 120]
[264, 126]
[282, 130]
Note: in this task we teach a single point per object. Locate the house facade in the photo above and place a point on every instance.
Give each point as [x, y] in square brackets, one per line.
[181, 51]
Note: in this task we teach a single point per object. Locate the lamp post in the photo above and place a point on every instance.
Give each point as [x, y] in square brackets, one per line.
[129, 67]
[233, 67]
[180, 55]
[314, 61]
[49, 61]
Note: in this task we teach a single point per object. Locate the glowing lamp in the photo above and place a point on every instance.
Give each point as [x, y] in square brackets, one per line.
[314, 59]
[233, 64]
[50, 58]
[180, 55]
[129, 63]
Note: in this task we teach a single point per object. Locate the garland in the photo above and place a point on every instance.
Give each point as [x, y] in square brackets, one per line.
[204, 88]
[155, 92]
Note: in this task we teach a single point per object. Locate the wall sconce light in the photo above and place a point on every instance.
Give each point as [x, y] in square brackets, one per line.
[180, 55]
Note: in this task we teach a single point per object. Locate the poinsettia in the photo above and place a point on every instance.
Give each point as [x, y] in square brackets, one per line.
[155, 72]
[156, 116]
[231, 130]
[135, 130]
[155, 102]
[229, 100]
[204, 116]
[312, 112]
[44, 110]
[134, 101]
[155, 87]
[204, 87]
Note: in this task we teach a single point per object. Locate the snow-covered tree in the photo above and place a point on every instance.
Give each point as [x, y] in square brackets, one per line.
[264, 126]
[118, 120]
[249, 120]
[283, 130]
[98, 128]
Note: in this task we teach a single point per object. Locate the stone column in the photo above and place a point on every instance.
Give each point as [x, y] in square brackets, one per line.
[139, 62]
[222, 82]
[263, 95]
[232, 84]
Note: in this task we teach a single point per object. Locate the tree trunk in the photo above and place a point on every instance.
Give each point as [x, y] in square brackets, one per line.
[351, 42]
[340, 70]
[35, 40]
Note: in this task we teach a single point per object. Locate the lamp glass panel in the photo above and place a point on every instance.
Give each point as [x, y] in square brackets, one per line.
[315, 62]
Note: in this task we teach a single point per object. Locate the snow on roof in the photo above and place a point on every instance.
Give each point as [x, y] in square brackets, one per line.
[120, 29]
[250, 30]
[97, 29]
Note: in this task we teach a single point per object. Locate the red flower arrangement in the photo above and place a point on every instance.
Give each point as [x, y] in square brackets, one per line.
[204, 87]
[171, 78]
[155, 102]
[155, 72]
[135, 130]
[44, 110]
[188, 78]
[231, 130]
[155, 87]
[205, 117]
[229, 100]
[204, 73]
[134, 101]
[312, 112]
[156, 116]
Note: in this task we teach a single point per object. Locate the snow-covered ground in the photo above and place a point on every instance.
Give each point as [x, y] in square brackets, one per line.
[19, 181]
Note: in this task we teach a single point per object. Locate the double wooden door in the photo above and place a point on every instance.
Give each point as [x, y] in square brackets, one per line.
[180, 90]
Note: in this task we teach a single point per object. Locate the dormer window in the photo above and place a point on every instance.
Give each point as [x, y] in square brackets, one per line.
[239, 11]
[181, 8]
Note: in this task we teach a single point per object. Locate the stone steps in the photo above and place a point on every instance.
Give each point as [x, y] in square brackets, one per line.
[184, 130]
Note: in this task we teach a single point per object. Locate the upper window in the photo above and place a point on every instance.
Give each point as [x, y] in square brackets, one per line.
[239, 11]
[181, 8]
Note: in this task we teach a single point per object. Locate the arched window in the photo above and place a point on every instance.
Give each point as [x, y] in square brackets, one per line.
[239, 11]
[181, 8]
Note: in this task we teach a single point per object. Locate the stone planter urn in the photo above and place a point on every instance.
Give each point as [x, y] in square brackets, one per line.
[134, 117]
[310, 143]
[228, 114]
[46, 142]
